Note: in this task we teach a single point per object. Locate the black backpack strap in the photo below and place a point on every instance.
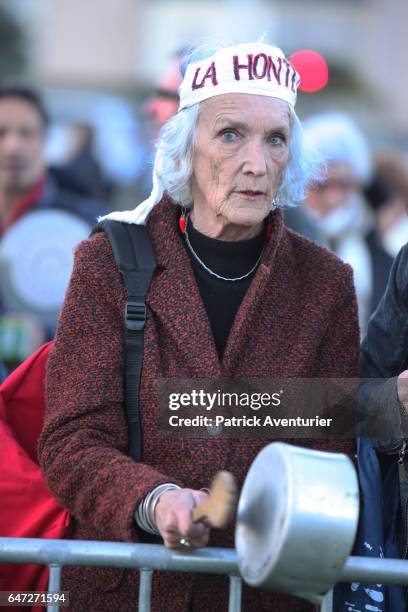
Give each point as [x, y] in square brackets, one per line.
[134, 256]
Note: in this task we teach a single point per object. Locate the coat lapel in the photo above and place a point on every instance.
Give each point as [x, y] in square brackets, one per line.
[174, 296]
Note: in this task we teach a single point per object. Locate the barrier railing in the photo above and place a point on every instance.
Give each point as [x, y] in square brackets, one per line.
[153, 557]
[145, 557]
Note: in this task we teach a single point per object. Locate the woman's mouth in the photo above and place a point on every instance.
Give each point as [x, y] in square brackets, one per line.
[251, 194]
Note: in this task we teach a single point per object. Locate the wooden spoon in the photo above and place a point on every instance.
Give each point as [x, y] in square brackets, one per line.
[222, 500]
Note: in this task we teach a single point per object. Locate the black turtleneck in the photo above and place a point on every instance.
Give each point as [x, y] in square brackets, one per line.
[230, 259]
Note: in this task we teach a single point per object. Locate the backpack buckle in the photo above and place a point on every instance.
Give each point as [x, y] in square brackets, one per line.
[135, 315]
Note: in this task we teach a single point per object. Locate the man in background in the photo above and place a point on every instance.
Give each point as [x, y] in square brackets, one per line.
[336, 202]
[27, 186]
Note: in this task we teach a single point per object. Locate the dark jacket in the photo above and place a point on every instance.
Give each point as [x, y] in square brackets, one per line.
[57, 196]
[384, 355]
[298, 319]
[381, 263]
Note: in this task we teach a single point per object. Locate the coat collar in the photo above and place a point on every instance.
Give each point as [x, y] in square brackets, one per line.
[175, 299]
[162, 225]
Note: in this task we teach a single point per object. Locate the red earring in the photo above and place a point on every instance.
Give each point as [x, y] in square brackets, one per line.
[183, 221]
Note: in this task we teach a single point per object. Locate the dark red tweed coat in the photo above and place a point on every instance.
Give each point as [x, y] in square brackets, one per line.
[298, 318]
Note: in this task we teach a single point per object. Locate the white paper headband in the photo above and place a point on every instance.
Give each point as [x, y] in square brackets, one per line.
[251, 68]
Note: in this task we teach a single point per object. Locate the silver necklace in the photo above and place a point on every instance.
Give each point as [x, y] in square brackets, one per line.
[207, 269]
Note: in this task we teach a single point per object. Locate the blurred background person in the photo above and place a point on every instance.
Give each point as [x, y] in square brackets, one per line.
[299, 221]
[336, 202]
[26, 240]
[164, 102]
[82, 171]
[94, 145]
[378, 194]
[159, 108]
[388, 195]
[25, 184]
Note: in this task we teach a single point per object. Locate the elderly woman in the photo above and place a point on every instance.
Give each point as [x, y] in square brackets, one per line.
[235, 294]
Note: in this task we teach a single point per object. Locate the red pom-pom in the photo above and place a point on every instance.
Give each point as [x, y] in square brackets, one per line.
[182, 224]
[312, 69]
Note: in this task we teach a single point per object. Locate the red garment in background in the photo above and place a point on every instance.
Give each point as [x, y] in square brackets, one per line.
[28, 510]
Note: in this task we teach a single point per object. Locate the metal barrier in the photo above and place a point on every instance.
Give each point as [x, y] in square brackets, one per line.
[153, 557]
[145, 557]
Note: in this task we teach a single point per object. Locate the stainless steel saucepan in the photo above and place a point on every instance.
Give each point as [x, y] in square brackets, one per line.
[297, 520]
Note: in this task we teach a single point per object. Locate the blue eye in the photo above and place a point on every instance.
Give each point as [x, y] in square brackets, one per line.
[229, 135]
[277, 139]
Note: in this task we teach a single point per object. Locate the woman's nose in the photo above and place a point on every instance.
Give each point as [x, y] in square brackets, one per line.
[254, 159]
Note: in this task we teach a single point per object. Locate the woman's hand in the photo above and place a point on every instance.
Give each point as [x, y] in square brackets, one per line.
[173, 518]
[402, 386]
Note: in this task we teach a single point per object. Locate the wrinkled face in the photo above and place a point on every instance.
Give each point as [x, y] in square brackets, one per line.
[240, 154]
[21, 145]
[335, 191]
